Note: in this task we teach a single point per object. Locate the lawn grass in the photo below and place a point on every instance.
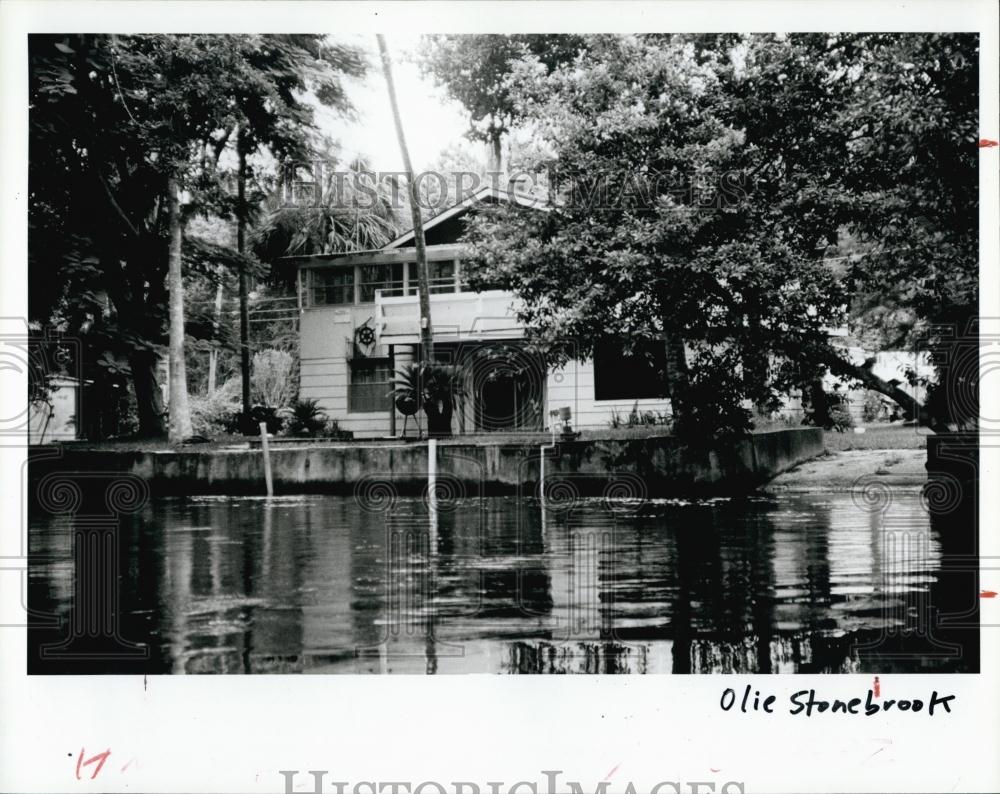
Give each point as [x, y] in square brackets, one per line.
[895, 436]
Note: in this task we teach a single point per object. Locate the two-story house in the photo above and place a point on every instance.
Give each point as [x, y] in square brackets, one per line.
[360, 322]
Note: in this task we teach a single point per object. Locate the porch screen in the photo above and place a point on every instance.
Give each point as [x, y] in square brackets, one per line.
[441, 276]
[332, 286]
[388, 278]
[638, 375]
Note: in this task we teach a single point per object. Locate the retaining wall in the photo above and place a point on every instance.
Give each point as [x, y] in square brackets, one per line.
[640, 467]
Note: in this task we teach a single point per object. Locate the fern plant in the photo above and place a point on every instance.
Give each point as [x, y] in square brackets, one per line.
[306, 418]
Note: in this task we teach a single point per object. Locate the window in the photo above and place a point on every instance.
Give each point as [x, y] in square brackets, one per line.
[441, 276]
[638, 375]
[370, 386]
[388, 278]
[332, 286]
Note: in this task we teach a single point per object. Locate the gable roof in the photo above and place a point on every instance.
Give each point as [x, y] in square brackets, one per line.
[485, 193]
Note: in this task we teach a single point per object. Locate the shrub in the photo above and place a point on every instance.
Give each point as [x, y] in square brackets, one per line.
[269, 416]
[212, 414]
[272, 381]
[306, 418]
[840, 417]
[333, 431]
[636, 418]
[709, 408]
[877, 408]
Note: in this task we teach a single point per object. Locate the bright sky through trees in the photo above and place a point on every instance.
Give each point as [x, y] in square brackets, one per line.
[432, 121]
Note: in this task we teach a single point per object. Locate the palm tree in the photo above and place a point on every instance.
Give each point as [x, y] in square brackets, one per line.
[355, 213]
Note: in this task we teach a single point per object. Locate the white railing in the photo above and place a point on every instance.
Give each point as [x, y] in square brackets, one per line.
[454, 315]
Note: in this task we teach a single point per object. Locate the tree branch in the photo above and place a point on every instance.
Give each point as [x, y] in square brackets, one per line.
[914, 410]
[116, 205]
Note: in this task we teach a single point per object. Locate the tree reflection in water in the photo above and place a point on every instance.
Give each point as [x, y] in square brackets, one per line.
[800, 583]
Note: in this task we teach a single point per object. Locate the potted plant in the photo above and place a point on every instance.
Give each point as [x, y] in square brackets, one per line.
[442, 386]
[433, 387]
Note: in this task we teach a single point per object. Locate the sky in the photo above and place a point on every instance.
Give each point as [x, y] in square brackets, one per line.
[430, 120]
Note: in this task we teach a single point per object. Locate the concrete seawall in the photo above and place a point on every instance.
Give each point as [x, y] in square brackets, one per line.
[624, 467]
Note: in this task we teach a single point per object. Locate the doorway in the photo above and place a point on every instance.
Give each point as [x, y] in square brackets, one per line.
[508, 396]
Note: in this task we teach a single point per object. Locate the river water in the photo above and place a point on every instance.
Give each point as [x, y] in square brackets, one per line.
[321, 584]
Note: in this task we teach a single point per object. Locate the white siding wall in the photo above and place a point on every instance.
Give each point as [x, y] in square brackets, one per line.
[573, 386]
[327, 335]
[326, 346]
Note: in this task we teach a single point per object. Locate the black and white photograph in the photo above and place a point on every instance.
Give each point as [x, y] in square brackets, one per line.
[424, 353]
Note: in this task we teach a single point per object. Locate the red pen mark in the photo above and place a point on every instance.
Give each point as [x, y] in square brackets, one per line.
[129, 763]
[988, 594]
[608, 776]
[712, 769]
[100, 758]
[876, 690]
[986, 143]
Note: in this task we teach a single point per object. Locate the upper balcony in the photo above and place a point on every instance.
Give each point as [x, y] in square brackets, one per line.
[456, 316]
[387, 281]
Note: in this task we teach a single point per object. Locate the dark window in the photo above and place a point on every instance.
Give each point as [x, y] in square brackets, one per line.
[332, 286]
[388, 278]
[638, 375]
[370, 387]
[442, 276]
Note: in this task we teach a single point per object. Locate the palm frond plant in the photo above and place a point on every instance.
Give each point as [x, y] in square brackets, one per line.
[433, 387]
[306, 418]
[443, 384]
[354, 213]
[407, 389]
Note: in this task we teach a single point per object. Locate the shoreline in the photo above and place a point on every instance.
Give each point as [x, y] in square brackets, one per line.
[840, 471]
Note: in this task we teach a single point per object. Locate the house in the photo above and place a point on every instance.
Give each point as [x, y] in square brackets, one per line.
[55, 418]
[360, 323]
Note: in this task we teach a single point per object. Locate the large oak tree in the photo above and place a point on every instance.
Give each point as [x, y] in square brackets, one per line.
[702, 191]
[120, 125]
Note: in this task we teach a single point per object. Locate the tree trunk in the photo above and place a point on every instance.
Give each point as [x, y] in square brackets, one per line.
[426, 331]
[213, 354]
[180, 416]
[494, 161]
[678, 376]
[913, 409]
[148, 394]
[241, 231]
[814, 397]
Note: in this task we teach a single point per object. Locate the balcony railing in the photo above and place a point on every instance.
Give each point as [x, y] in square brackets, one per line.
[456, 315]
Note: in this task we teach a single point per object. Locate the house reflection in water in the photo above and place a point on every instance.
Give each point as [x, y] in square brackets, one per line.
[806, 583]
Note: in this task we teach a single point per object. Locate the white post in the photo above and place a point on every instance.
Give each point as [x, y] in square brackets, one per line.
[267, 459]
[432, 513]
[432, 469]
[541, 464]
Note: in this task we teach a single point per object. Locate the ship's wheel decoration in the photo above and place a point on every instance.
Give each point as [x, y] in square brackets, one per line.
[364, 335]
